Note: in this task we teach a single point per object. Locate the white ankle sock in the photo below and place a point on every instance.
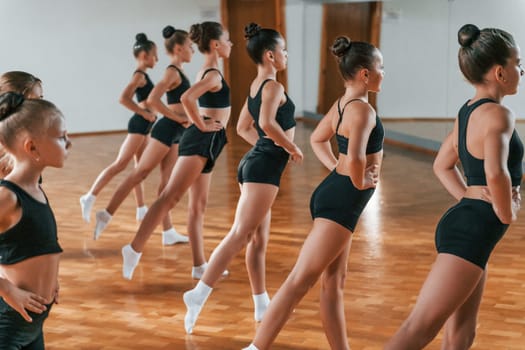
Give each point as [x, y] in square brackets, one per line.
[86, 204]
[251, 347]
[130, 260]
[171, 236]
[103, 219]
[198, 271]
[260, 302]
[194, 300]
[141, 212]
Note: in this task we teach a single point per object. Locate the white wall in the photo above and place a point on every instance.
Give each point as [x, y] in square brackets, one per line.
[82, 50]
[420, 49]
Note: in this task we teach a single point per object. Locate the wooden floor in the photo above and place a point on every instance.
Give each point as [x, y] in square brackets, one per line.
[392, 252]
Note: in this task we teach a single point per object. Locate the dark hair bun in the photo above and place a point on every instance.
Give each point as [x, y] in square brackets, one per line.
[251, 30]
[341, 45]
[196, 32]
[9, 102]
[468, 34]
[168, 31]
[141, 37]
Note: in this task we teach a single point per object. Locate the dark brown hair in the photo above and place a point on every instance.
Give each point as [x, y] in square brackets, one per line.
[353, 56]
[481, 50]
[202, 33]
[18, 81]
[173, 37]
[142, 43]
[259, 40]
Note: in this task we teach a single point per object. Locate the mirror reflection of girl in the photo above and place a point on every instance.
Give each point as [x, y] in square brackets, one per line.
[163, 145]
[267, 122]
[199, 147]
[338, 201]
[33, 132]
[491, 153]
[139, 126]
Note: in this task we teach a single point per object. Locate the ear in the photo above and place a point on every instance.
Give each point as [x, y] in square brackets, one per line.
[363, 74]
[30, 148]
[499, 74]
[269, 55]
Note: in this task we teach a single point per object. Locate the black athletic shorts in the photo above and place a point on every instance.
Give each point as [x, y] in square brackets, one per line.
[337, 199]
[138, 125]
[167, 131]
[470, 230]
[264, 163]
[16, 333]
[205, 144]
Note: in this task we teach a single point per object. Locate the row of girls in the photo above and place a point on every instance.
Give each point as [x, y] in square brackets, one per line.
[189, 137]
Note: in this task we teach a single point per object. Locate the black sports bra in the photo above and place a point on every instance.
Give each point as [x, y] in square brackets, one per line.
[217, 99]
[375, 140]
[474, 167]
[36, 232]
[142, 93]
[285, 113]
[173, 96]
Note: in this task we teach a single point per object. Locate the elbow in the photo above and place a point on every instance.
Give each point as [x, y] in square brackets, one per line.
[122, 100]
[185, 99]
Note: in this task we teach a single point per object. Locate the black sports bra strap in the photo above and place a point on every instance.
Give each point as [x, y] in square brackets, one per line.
[480, 102]
[341, 111]
[139, 71]
[174, 66]
[210, 69]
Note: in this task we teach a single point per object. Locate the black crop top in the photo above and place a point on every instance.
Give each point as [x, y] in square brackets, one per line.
[35, 234]
[473, 167]
[142, 93]
[173, 96]
[217, 99]
[375, 140]
[285, 113]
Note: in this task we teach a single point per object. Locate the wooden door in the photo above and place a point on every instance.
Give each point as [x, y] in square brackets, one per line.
[239, 69]
[358, 21]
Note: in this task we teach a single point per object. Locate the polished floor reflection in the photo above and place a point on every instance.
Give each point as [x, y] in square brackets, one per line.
[392, 252]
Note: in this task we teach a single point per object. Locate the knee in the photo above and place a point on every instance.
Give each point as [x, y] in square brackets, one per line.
[423, 331]
[168, 200]
[333, 284]
[118, 166]
[197, 208]
[302, 281]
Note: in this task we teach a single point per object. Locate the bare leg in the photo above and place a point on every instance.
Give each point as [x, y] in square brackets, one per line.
[332, 300]
[198, 199]
[326, 241]
[139, 189]
[166, 167]
[449, 285]
[185, 173]
[129, 147]
[256, 256]
[253, 207]
[460, 328]
[153, 154]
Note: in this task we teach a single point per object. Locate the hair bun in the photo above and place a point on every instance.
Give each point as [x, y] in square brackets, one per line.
[168, 31]
[9, 102]
[251, 30]
[196, 32]
[141, 38]
[341, 45]
[468, 34]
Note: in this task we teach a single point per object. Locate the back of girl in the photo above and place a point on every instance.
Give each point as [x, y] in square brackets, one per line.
[34, 134]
